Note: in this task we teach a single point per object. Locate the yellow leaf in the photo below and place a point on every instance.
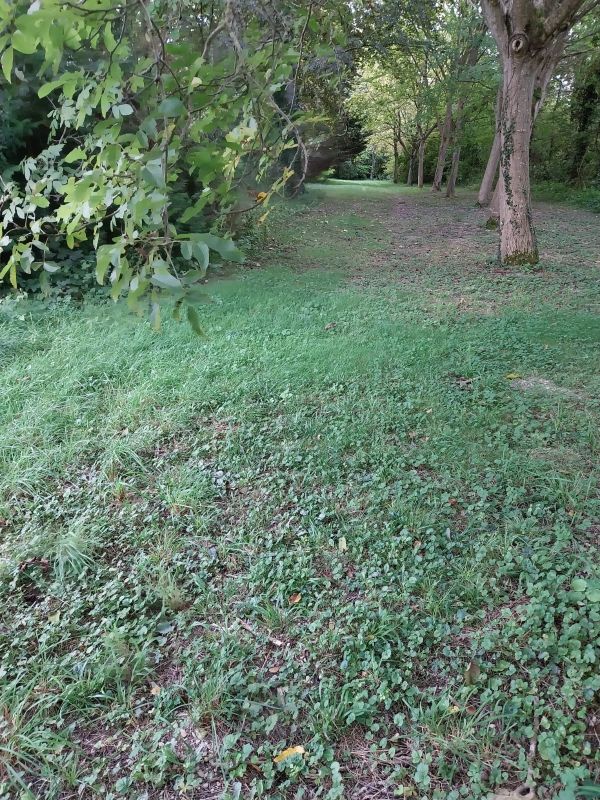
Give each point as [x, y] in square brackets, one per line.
[454, 709]
[261, 197]
[342, 544]
[298, 750]
[295, 598]
[512, 376]
[154, 688]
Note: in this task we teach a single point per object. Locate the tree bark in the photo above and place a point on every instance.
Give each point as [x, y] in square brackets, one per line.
[518, 243]
[409, 177]
[456, 132]
[396, 162]
[489, 176]
[453, 175]
[445, 133]
[421, 169]
[491, 171]
[530, 37]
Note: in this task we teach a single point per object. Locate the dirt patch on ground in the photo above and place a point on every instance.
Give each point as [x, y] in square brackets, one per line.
[533, 383]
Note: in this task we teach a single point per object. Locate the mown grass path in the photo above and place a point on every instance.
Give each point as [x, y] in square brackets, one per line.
[359, 519]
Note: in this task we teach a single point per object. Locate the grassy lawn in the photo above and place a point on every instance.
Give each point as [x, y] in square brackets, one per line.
[360, 519]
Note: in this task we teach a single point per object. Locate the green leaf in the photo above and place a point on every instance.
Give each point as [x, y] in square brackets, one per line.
[152, 173]
[579, 585]
[164, 280]
[46, 88]
[24, 42]
[194, 321]
[186, 250]
[171, 107]
[123, 110]
[224, 247]
[75, 155]
[201, 254]
[7, 62]
[109, 40]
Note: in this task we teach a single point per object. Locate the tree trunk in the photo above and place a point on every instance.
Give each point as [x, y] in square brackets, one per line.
[456, 131]
[409, 177]
[396, 163]
[518, 243]
[531, 38]
[493, 221]
[421, 163]
[489, 176]
[372, 172]
[451, 185]
[491, 170]
[445, 133]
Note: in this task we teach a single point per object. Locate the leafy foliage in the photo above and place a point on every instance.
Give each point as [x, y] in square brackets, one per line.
[136, 111]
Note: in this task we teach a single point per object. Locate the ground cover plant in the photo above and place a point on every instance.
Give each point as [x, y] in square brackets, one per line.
[343, 546]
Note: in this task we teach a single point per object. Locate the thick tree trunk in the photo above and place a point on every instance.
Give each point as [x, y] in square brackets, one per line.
[411, 163]
[491, 170]
[421, 170]
[445, 134]
[530, 37]
[518, 243]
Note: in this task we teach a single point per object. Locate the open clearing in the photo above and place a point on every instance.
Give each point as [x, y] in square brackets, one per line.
[360, 518]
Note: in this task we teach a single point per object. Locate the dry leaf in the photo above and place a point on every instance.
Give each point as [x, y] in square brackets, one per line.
[513, 376]
[330, 326]
[54, 618]
[297, 750]
[454, 709]
[154, 688]
[295, 598]
[274, 670]
[472, 673]
[342, 544]
[524, 791]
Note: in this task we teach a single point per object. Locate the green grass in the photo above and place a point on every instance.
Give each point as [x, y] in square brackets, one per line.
[334, 523]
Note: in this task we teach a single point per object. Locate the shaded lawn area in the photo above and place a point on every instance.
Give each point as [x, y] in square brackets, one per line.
[360, 518]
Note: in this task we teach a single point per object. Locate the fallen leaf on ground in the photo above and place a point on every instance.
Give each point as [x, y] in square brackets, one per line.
[297, 750]
[342, 544]
[295, 598]
[513, 376]
[472, 673]
[154, 688]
